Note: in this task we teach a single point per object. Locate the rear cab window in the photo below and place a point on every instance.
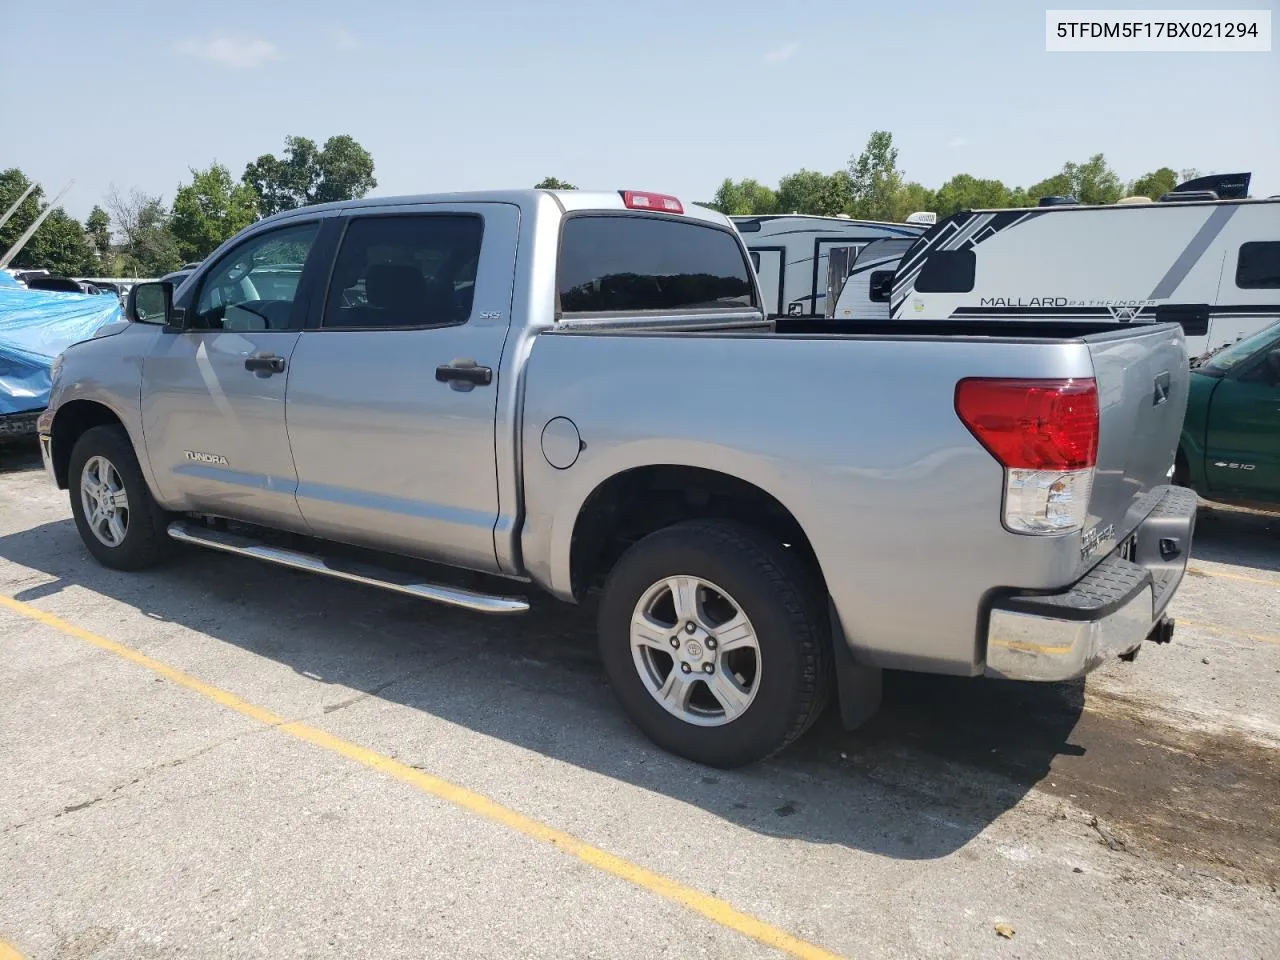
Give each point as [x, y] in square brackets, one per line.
[616, 263]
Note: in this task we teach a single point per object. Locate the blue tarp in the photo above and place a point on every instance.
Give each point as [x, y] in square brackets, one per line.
[35, 326]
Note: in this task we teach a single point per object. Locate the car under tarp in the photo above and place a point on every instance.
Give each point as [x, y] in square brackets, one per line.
[35, 326]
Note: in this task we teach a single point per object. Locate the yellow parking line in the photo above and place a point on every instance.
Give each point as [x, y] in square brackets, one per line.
[1200, 572]
[708, 906]
[9, 952]
[1260, 637]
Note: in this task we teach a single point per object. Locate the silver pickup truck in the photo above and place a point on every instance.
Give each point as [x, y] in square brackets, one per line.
[579, 392]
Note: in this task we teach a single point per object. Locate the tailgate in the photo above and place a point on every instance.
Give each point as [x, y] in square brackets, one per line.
[1143, 377]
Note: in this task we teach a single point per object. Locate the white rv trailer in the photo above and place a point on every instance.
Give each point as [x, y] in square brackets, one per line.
[792, 255]
[865, 292]
[1212, 265]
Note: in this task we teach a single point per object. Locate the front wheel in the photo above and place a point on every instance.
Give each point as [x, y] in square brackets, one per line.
[716, 642]
[118, 519]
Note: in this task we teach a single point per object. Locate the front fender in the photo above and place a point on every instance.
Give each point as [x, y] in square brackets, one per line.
[106, 371]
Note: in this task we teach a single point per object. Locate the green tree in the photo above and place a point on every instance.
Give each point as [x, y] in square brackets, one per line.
[965, 192]
[59, 244]
[1155, 184]
[305, 174]
[876, 179]
[12, 182]
[912, 198]
[554, 183]
[745, 198]
[814, 193]
[209, 209]
[149, 248]
[97, 229]
[1089, 182]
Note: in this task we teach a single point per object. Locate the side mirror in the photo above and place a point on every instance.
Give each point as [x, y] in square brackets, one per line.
[151, 303]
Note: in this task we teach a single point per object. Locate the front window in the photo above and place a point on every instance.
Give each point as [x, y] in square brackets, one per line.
[1219, 363]
[254, 286]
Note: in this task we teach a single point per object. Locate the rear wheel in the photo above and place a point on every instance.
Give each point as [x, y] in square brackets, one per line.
[716, 642]
[118, 519]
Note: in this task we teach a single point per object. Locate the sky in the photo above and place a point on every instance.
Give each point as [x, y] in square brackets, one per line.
[665, 96]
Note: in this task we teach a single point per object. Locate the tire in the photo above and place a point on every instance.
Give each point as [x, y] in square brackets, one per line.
[145, 540]
[777, 689]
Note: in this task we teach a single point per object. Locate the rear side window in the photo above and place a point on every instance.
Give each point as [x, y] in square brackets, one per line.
[947, 271]
[398, 272]
[1258, 267]
[628, 264]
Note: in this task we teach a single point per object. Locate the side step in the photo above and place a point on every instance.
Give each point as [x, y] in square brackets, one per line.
[371, 576]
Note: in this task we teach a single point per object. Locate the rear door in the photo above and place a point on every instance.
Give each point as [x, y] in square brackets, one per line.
[213, 394]
[393, 390]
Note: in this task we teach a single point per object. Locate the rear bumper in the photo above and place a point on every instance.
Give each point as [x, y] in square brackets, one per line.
[1106, 614]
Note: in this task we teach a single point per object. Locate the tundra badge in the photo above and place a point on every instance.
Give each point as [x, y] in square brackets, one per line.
[199, 457]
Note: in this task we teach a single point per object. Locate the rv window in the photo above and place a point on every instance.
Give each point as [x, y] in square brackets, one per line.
[755, 261]
[629, 263]
[881, 285]
[1258, 267]
[947, 271]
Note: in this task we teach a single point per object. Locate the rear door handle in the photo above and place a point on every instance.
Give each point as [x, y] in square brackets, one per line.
[464, 371]
[264, 363]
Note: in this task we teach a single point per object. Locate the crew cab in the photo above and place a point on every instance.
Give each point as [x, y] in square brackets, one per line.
[580, 392]
[1230, 448]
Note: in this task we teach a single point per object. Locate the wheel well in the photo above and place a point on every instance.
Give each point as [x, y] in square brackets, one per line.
[69, 425]
[635, 503]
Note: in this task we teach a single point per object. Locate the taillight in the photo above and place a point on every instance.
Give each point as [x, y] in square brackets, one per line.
[1045, 435]
[636, 200]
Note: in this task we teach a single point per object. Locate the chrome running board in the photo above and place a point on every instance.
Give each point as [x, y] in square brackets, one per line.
[368, 575]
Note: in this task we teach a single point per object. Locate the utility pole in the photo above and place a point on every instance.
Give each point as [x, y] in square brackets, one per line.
[27, 234]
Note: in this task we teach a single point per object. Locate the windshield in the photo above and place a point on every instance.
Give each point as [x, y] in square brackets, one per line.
[1228, 357]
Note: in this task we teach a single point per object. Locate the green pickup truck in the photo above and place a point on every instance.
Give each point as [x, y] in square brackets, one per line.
[1230, 447]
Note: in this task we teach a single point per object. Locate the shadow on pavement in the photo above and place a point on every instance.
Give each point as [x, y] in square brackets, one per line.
[16, 455]
[1246, 538]
[942, 760]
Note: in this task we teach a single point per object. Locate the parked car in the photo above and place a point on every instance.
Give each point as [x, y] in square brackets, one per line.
[581, 392]
[1230, 448]
[60, 285]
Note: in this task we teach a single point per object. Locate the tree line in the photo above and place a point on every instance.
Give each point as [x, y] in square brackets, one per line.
[137, 234]
[873, 187]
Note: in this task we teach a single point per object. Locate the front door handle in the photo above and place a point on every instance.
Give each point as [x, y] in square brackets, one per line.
[464, 371]
[264, 363]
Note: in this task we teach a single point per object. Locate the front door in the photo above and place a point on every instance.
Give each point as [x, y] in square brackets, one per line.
[213, 394]
[1242, 456]
[393, 390]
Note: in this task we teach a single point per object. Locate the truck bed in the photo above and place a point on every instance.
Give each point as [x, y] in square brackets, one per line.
[856, 435]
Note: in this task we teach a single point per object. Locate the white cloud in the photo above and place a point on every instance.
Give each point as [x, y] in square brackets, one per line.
[956, 142]
[236, 53]
[783, 53]
[343, 39]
